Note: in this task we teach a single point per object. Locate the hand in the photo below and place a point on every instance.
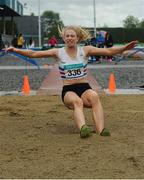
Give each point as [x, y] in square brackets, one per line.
[130, 45]
[9, 49]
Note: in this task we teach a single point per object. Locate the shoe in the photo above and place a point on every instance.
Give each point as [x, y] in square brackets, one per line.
[105, 132]
[85, 131]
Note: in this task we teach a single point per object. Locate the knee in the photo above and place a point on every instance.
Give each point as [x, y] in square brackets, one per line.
[77, 102]
[94, 98]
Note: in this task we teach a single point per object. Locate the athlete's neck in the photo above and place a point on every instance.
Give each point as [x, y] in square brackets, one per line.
[72, 51]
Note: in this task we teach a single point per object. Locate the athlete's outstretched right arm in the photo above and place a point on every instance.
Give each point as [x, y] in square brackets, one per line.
[34, 54]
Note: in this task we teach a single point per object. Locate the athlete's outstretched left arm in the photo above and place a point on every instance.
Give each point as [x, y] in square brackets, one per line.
[90, 50]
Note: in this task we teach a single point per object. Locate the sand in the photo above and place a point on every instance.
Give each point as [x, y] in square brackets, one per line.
[39, 139]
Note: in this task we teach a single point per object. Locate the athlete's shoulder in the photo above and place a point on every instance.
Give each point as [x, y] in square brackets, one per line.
[87, 49]
[60, 52]
[52, 52]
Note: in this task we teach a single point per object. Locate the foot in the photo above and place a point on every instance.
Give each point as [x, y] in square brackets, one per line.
[105, 132]
[85, 131]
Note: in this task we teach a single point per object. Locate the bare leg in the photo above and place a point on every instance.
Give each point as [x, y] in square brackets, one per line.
[91, 99]
[72, 101]
[98, 116]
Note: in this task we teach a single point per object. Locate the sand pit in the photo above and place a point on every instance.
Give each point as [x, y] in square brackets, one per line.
[38, 139]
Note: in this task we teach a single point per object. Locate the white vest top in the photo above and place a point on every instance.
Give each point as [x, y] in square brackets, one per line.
[72, 68]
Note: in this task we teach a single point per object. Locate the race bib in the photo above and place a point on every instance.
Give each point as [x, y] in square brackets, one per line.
[74, 70]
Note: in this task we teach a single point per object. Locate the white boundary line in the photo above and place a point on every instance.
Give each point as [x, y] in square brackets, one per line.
[89, 66]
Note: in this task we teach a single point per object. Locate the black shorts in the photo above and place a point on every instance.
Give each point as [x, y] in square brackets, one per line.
[79, 89]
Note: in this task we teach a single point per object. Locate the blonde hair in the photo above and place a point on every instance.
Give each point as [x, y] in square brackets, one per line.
[82, 33]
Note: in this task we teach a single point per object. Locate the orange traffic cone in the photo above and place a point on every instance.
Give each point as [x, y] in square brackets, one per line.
[26, 86]
[112, 84]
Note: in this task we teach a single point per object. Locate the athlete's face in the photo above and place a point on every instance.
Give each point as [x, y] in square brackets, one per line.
[70, 38]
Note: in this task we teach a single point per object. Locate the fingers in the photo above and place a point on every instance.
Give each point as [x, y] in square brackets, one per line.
[135, 43]
[131, 45]
[5, 49]
[9, 49]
